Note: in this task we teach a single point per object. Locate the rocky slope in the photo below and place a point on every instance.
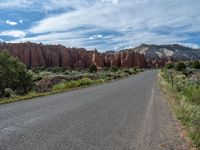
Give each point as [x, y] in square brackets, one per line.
[158, 55]
[34, 55]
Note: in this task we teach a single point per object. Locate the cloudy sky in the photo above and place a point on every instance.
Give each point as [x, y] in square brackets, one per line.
[101, 24]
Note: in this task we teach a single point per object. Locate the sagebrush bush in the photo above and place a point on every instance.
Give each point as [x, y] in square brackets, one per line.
[13, 75]
[180, 66]
[92, 68]
[188, 64]
[134, 70]
[38, 69]
[56, 69]
[9, 93]
[188, 88]
[114, 69]
[196, 64]
[73, 84]
[195, 96]
[128, 71]
[185, 101]
[169, 66]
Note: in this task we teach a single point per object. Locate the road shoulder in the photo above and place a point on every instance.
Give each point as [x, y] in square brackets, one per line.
[160, 130]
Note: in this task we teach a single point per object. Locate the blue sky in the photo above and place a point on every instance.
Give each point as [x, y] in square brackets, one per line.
[101, 24]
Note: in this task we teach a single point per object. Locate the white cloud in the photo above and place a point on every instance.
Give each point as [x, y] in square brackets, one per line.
[13, 33]
[98, 36]
[113, 1]
[192, 45]
[21, 21]
[44, 5]
[12, 23]
[125, 14]
[16, 4]
[129, 22]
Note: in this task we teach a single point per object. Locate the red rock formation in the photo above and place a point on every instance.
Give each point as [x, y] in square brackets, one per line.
[34, 55]
[97, 59]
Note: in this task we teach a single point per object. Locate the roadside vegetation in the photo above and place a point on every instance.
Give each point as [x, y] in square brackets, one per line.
[15, 79]
[181, 82]
[19, 83]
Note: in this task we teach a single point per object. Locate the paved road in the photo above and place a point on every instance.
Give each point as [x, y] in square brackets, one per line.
[129, 114]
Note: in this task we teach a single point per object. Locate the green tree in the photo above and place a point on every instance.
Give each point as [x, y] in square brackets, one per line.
[114, 69]
[196, 64]
[92, 68]
[13, 75]
[180, 66]
[189, 63]
[169, 66]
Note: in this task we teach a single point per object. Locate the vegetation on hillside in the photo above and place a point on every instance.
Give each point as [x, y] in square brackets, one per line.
[182, 83]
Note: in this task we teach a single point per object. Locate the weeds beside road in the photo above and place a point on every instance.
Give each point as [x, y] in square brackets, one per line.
[71, 79]
[183, 91]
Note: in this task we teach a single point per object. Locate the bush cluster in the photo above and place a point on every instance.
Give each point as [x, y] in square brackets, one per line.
[181, 66]
[196, 64]
[185, 86]
[14, 76]
[185, 101]
[73, 84]
[16, 79]
[92, 68]
[169, 66]
[114, 69]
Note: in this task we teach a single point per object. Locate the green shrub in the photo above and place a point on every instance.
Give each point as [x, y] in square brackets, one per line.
[73, 84]
[189, 64]
[37, 77]
[188, 88]
[127, 71]
[109, 75]
[196, 96]
[196, 64]
[13, 75]
[85, 81]
[38, 69]
[56, 69]
[114, 69]
[169, 66]
[92, 68]
[67, 72]
[185, 101]
[187, 72]
[134, 70]
[106, 69]
[9, 93]
[117, 76]
[179, 66]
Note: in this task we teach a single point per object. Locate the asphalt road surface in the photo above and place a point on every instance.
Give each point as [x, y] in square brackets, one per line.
[129, 114]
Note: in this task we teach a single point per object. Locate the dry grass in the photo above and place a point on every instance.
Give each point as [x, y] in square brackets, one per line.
[186, 111]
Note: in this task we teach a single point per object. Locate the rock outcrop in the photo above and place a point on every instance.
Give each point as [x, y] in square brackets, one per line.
[34, 55]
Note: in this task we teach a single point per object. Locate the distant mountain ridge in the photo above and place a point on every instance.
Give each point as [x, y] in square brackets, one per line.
[144, 56]
[158, 55]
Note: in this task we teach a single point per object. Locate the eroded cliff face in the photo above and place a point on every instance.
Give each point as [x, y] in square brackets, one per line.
[34, 55]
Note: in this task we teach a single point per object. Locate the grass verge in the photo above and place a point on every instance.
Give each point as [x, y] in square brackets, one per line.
[62, 87]
[186, 111]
